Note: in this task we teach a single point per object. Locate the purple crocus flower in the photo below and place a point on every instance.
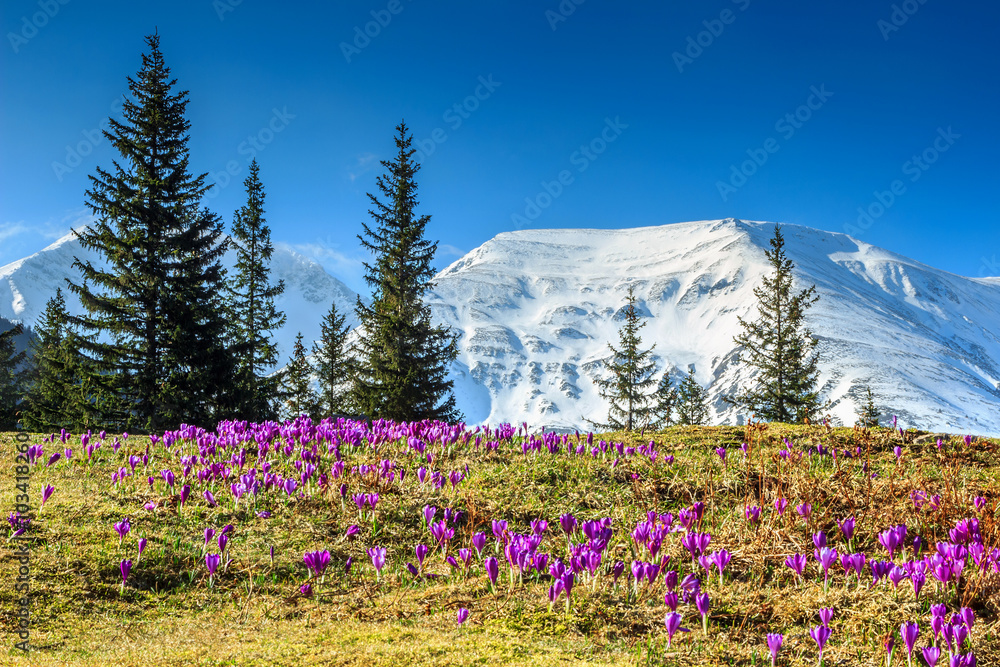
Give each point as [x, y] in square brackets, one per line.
[931, 655]
[774, 644]
[672, 621]
[568, 523]
[671, 600]
[122, 528]
[479, 542]
[492, 569]
[847, 528]
[47, 492]
[797, 562]
[377, 555]
[979, 502]
[819, 539]
[463, 615]
[142, 547]
[421, 551]
[780, 504]
[701, 601]
[212, 563]
[820, 634]
[209, 498]
[316, 561]
[804, 510]
[909, 632]
[721, 451]
[752, 514]
[825, 615]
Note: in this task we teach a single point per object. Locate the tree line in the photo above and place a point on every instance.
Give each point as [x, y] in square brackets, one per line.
[167, 337]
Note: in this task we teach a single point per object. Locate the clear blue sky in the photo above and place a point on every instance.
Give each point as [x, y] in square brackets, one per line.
[883, 88]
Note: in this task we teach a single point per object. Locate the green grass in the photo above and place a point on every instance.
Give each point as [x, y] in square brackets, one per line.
[253, 613]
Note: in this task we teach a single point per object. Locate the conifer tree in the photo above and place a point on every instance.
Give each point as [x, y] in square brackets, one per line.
[47, 391]
[664, 402]
[333, 364]
[632, 374]
[780, 346]
[299, 397]
[10, 378]
[869, 415]
[252, 313]
[402, 370]
[154, 324]
[692, 407]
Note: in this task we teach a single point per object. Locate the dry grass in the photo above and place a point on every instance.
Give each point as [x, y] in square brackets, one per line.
[254, 614]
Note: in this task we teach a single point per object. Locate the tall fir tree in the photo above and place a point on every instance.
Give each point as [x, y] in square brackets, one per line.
[664, 402]
[154, 326]
[334, 365]
[780, 346]
[692, 401]
[252, 313]
[299, 396]
[402, 369]
[627, 391]
[10, 378]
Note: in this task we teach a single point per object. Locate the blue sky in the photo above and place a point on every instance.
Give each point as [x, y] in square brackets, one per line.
[532, 115]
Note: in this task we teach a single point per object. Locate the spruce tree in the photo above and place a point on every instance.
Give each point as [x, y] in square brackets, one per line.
[154, 326]
[299, 397]
[402, 370]
[47, 391]
[692, 405]
[10, 378]
[252, 313]
[333, 364]
[632, 374]
[869, 415]
[664, 402]
[780, 346]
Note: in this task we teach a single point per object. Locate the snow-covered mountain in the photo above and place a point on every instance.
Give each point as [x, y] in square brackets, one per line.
[27, 284]
[536, 309]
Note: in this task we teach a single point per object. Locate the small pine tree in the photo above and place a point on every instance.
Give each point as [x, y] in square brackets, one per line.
[402, 359]
[299, 396]
[692, 401]
[252, 314]
[10, 378]
[664, 402]
[334, 366]
[869, 415]
[632, 374]
[780, 347]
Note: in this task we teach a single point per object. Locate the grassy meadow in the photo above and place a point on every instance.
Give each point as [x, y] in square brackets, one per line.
[254, 610]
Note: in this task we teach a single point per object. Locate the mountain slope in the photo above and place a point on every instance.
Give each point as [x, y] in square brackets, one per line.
[536, 309]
